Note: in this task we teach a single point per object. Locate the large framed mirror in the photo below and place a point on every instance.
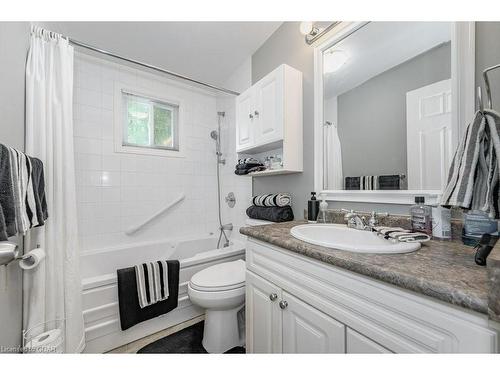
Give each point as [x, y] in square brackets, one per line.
[391, 101]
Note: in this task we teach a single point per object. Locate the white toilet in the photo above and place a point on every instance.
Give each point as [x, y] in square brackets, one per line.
[220, 290]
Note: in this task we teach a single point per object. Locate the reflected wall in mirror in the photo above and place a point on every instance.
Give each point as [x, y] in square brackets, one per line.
[387, 107]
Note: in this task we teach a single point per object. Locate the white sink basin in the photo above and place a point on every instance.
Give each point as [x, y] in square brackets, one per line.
[340, 237]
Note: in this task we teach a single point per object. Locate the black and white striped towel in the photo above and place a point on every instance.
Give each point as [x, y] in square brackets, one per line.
[401, 235]
[474, 176]
[272, 200]
[152, 282]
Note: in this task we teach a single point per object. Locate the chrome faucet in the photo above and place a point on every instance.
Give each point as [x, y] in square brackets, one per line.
[356, 221]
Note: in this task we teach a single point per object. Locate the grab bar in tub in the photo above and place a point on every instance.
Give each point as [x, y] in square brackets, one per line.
[135, 228]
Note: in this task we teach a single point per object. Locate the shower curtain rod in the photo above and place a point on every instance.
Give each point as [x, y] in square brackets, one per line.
[152, 67]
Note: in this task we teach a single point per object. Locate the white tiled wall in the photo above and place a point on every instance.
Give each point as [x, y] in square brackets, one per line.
[117, 190]
[241, 186]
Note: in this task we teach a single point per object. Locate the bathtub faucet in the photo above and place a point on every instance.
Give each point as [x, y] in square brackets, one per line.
[228, 226]
[224, 227]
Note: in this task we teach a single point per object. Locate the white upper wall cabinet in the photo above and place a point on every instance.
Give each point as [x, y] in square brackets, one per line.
[244, 117]
[269, 117]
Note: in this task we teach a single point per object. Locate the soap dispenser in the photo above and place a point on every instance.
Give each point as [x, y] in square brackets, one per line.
[312, 208]
[323, 207]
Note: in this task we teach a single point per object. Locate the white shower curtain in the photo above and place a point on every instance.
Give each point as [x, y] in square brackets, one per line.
[333, 176]
[53, 291]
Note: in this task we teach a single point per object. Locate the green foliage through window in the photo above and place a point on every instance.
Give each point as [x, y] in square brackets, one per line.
[150, 123]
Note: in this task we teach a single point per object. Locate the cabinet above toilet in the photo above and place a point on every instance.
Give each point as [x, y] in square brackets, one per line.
[269, 119]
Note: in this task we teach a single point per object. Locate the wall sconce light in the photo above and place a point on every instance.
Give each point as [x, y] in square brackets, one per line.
[312, 32]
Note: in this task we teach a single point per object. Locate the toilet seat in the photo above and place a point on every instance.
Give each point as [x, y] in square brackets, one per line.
[220, 277]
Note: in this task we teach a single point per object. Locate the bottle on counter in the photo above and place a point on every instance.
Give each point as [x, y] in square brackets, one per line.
[312, 208]
[477, 223]
[323, 210]
[421, 216]
[441, 223]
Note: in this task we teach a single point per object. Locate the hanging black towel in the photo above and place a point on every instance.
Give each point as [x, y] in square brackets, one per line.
[8, 226]
[39, 190]
[130, 311]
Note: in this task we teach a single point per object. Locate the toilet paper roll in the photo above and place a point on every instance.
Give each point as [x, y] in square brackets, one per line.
[46, 342]
[32, 259]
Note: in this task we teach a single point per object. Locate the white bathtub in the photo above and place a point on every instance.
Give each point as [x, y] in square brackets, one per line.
[100, 296]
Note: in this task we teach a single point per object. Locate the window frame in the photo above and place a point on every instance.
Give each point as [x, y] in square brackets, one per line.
[120, 122]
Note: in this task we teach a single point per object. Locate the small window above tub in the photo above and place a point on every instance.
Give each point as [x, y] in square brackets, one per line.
[146, 124]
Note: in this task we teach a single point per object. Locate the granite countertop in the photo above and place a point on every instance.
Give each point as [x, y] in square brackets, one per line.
[493, 266]
[444, 270]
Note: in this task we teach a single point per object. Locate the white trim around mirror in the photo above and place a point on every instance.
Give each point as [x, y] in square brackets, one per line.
[463, 107]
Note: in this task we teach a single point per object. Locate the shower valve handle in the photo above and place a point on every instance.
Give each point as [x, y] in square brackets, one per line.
[250, 116]
[256, 113]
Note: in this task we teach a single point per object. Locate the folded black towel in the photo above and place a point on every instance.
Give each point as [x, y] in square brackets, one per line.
[275, 214]
[130, 310]
[352, 183]
[390, 182]
[387, 182]
[8, 225]
[245, 171]
[244, 166]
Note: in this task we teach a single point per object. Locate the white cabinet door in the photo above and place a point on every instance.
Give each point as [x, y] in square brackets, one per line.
[264, 325]
[308, 330]
[245, 120]
[357, 343]
[269, 95]
[429, 136]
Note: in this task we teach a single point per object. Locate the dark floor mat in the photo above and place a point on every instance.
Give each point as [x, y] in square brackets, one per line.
[186, 341]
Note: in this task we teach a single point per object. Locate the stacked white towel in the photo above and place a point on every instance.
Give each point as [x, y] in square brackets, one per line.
[272, 200]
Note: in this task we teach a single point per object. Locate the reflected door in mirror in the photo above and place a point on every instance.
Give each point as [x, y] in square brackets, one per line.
[429, 147]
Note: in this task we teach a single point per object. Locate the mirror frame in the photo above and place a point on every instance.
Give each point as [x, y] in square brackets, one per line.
[463, 107]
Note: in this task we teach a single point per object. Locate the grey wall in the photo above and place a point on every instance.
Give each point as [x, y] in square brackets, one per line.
[287, 46]
[372, 116]
[14, 40]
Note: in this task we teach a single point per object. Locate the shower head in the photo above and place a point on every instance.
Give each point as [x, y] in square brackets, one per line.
[214, 135]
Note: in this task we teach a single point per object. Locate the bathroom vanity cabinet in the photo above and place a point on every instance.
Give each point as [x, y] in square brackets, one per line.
[269, 119]
[296, 304]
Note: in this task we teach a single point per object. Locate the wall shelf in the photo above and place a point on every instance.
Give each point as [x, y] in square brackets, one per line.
[272, 172]
[432, 197]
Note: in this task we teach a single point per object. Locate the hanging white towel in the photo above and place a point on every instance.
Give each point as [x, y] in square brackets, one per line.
[19, 175]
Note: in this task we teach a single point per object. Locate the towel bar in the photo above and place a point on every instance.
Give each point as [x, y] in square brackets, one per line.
[8, 253]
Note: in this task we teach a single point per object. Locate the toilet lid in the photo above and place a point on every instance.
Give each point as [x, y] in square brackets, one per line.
[223, 276]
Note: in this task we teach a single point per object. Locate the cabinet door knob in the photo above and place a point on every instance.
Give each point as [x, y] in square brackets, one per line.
[256, 113]
[250, 116]
[283, 305]
[273, 296]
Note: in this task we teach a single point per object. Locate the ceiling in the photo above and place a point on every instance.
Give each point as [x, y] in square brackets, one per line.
[380, 46]
[206, 51]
